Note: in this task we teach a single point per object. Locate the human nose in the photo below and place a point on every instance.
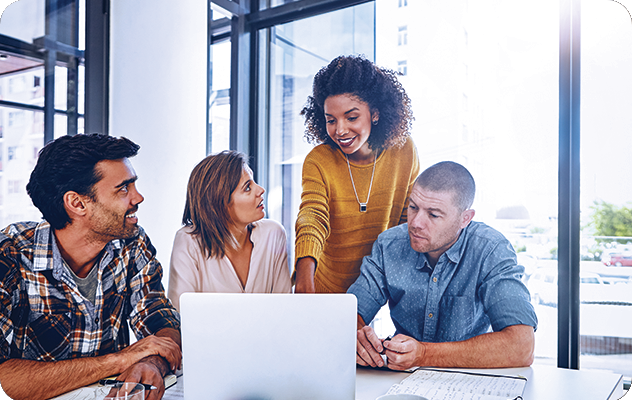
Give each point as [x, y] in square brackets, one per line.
[137, 198]
[417, 221]
[341, 128]
[260, 190]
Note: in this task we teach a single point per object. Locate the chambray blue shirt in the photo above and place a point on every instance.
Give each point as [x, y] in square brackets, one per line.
[475, 284]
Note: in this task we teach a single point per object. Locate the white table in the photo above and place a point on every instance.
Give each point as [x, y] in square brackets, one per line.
[543, 383]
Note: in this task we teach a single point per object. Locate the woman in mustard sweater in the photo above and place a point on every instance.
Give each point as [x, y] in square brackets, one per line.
[357, 180]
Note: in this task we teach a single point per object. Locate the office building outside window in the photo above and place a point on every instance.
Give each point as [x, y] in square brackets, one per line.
[402, 36]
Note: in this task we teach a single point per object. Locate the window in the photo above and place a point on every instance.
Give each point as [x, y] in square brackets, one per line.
[606, 308]
[27, 118]
[402, 36]
[513, 156]
[295, 56]
[402, 67]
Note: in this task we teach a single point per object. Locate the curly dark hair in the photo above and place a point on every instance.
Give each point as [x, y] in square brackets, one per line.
[69, 164]
[376, 86]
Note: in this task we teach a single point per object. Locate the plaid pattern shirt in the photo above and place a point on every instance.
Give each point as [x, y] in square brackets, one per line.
[44, 317]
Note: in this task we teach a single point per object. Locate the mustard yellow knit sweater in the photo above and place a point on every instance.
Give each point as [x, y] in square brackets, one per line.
[330, 227]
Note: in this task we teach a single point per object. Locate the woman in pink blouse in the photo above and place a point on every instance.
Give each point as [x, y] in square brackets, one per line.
[225, 245]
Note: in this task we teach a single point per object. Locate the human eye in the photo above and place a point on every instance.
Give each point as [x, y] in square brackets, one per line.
[247, 188]
[432, 215]
[330, 121]
[124, 189]
[353, 118]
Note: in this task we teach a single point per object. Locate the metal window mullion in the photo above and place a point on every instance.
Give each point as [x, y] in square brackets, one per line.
[240, 85]
[209, 77]
[72, 100]
[97, 58]
[568, 196]
[50, 60]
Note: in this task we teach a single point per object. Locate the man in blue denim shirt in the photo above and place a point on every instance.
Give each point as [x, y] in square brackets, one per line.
[447, 281]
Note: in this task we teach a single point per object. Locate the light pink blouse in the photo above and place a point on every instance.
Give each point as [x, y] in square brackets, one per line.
[190, 271]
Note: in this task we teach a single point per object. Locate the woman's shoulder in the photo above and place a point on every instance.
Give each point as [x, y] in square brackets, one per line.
[407, 147]
[405, 153]
[184, 235]
[320, 153]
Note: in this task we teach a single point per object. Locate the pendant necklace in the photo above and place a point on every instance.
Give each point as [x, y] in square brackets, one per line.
[362, 205]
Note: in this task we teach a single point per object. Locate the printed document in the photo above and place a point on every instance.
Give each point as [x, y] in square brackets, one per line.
[455, 385]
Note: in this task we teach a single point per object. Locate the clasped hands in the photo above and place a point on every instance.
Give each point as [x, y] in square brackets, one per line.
[151, 358]
[402, 352]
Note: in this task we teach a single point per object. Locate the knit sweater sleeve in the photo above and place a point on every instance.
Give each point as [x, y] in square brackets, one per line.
[312, 222]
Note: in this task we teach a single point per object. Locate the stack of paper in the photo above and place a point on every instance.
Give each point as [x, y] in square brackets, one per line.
[453, 385]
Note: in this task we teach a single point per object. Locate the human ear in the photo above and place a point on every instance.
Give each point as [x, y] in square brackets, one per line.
[466, 217]
[375, 117]
[75, 204]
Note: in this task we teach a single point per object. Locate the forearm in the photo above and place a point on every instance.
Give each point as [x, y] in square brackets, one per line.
[33, 380]
[171, 333]
[160, 362]
[305, 269]
[511, 347]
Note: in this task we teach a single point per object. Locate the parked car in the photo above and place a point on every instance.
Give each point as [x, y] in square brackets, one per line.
[592, 288]
[623, 259]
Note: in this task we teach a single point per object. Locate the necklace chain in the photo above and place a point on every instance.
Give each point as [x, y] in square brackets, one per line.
[363, 206]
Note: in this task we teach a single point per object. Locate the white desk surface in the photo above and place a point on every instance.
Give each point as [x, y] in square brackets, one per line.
[543, 383]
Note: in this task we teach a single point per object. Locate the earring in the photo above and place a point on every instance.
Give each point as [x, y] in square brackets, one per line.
[375, 121]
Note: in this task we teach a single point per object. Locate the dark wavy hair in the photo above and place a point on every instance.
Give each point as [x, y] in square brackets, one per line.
[68, 164]
[376, 86]
[211, 185]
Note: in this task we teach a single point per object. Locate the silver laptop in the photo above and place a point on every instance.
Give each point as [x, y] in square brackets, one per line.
[268, 346]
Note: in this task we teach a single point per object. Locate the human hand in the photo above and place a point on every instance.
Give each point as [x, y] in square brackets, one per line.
[147, 371]
[369, 348]
[305, 268]
[153, 345]
[403, 352]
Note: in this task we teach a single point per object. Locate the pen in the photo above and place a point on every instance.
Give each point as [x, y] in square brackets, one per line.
[114, 382]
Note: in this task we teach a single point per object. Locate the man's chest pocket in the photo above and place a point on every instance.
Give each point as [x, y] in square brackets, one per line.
[456, 319]
[48, 336]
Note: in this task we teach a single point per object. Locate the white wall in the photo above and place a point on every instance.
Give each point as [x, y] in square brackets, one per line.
[157, 99]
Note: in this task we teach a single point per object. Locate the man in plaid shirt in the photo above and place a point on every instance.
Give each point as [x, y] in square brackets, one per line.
[72, 284]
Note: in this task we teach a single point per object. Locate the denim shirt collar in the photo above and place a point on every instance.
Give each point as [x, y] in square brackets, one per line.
[455, 252]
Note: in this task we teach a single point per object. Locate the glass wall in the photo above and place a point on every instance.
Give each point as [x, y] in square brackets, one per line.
[606, 192]
[296, 54]
[22, 96]
[484, 90]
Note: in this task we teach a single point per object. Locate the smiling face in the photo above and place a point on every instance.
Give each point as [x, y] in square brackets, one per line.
[246, 201]
[113, 210]
[434, 222]
[348, 122]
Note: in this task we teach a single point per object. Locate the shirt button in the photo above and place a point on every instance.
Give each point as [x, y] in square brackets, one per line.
[434, 279]
[430, 315]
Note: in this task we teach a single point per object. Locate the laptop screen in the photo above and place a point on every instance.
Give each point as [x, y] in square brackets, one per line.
[268, 346]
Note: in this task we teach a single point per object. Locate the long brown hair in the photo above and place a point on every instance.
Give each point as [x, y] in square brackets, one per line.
[209, 191]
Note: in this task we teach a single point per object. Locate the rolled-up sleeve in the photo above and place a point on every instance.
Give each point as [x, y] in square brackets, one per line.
[7, 283]
[505, 297]
[151, 310]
